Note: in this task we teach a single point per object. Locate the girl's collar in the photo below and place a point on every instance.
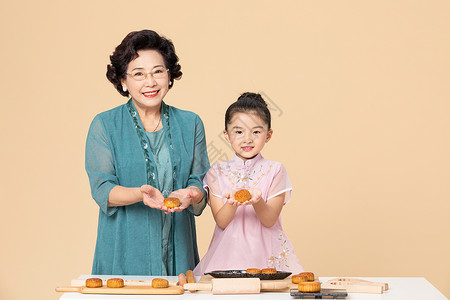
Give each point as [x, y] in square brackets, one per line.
[249, 162]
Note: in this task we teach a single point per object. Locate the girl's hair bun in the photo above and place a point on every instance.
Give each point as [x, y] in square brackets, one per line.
[247, 97]
[249, 102]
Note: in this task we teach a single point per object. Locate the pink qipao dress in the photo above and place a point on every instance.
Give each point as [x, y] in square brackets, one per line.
[245, 242]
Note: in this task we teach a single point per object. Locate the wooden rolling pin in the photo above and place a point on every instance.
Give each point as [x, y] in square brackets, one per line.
[190, 278]
[221, 286]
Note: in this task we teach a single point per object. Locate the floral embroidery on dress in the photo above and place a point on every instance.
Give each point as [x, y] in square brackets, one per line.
[242, 178]
[277, 261]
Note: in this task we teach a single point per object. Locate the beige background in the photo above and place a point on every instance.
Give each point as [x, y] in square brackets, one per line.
[360, 95]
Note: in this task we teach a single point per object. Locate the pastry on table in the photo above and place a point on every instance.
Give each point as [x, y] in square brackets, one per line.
[160, 283]
[268, 270]
[115, 283]
[299, 278]
[310, 275]
[309, 287]
[253, 270]
[94, 282]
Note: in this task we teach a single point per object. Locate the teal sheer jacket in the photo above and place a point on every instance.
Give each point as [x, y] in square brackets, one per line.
[129, 238]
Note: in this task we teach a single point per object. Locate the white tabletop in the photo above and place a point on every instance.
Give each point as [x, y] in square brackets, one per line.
[406, 288]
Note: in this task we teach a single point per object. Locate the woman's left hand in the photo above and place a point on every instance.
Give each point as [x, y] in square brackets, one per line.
[187, 196]
[256, 196]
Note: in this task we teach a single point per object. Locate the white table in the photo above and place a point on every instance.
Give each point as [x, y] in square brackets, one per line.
[407, 288]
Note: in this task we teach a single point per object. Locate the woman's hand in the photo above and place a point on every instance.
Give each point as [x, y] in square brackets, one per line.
[152, 197]
[187, 196]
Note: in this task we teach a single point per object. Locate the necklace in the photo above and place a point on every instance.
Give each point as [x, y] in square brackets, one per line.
[157, 124]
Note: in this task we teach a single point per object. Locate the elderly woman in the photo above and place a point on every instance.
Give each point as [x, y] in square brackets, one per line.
[139, 153]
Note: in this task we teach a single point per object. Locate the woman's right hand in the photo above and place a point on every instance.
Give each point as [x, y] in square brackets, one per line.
[152, 197]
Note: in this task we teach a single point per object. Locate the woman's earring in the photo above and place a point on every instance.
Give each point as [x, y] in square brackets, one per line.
[170, 82]
[124, 88]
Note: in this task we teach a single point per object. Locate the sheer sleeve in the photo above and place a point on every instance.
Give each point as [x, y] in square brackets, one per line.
[211, 183]
[280, 184]
[99, 164]
[200, 166]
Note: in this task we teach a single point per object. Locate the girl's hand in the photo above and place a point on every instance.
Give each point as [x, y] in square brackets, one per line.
[152, 197]
[256, 196]
[187, 196]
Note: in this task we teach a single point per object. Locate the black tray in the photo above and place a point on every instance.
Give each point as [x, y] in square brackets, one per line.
[324, 293]
[244, 274]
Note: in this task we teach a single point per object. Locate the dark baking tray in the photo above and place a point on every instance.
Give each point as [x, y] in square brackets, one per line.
[244, 274]
[323, 294]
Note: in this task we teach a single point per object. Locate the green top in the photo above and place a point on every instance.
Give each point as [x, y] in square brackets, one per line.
[161, 154]
[136, 239]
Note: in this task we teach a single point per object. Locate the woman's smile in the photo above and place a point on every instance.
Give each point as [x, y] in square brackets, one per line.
[150, 94]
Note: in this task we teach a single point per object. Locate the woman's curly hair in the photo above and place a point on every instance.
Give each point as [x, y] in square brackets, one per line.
[127, 51]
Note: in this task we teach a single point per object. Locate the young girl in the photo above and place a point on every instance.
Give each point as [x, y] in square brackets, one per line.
[249, 234]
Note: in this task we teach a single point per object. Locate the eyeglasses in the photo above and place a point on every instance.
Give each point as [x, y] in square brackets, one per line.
[157, 73]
